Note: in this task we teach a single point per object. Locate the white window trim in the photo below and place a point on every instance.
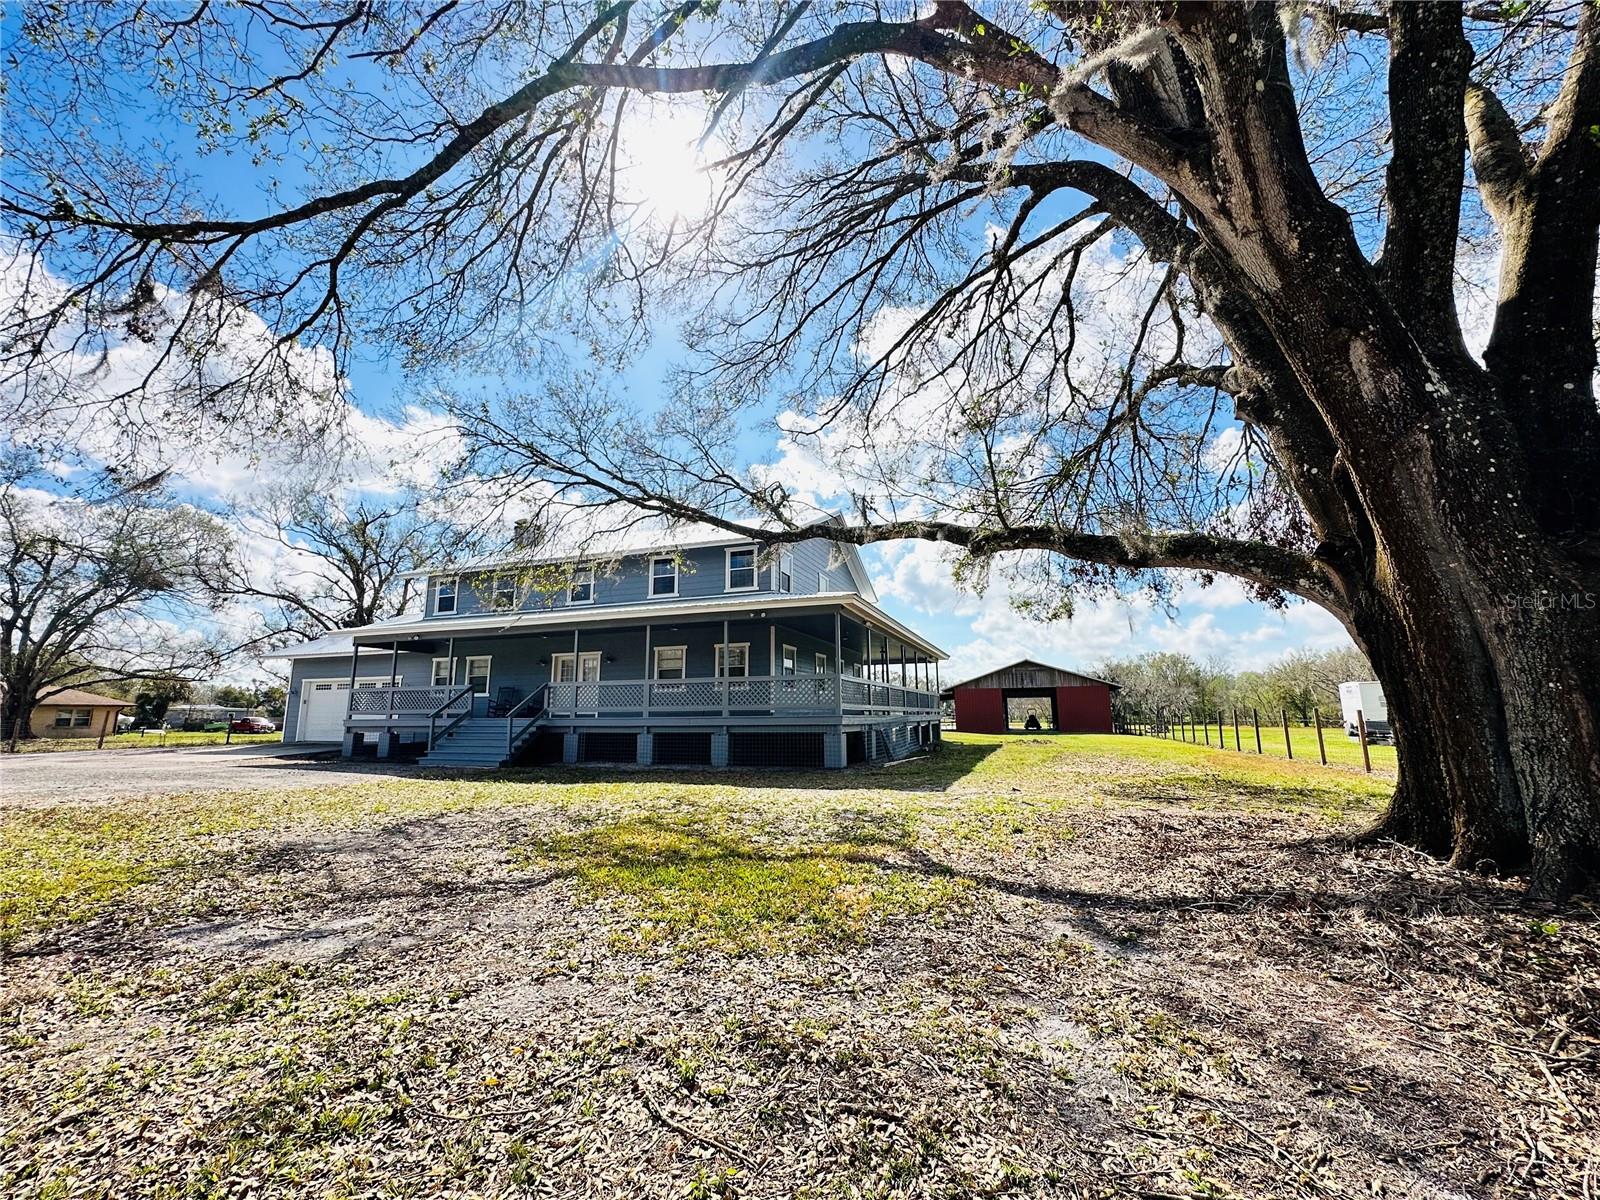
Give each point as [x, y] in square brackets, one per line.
[819, 661]
[727, 568]
[510, 581]
[650, 578]
[455, 594]
[655, 663]
[573, 583]
[433, 673]
[730, 647]
[791, 654]
[466, 673]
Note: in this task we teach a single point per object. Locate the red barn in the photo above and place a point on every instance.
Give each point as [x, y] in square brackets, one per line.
[1029, 697]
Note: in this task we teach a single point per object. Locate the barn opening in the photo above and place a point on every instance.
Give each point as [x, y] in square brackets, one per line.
[1030, 711]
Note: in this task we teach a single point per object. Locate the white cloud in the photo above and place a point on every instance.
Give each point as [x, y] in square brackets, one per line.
[135, 403]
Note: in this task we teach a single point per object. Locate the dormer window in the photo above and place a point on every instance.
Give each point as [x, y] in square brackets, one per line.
[581, 589]
[444, 595]
[742, 569]
[664, 576]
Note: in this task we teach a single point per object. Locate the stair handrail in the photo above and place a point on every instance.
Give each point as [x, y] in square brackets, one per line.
[538, 693]
[433, 717]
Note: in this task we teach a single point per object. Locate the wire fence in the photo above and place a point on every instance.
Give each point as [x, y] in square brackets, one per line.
[1241, 730]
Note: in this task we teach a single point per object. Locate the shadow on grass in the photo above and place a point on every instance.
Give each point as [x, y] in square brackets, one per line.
[934, 772]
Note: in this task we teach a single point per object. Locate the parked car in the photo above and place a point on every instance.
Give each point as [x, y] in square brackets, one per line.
[253, 725]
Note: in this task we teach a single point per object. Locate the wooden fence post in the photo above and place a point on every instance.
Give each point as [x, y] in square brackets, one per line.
[1222, 734]
[1287, 744]
[1316, 717]
[1208, 729]
[1366, 755]
[1255, 717]
[1236, 743]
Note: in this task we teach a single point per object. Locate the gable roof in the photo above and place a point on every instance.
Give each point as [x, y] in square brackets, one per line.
[1027, 662]
[78, 698]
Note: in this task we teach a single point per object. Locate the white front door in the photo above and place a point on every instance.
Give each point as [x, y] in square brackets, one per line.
[581, 675]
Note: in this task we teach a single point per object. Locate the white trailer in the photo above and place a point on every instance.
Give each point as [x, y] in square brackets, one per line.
[1366, 698]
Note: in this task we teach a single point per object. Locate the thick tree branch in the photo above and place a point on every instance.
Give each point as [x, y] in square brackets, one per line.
[1428, 62]
[1499, 159]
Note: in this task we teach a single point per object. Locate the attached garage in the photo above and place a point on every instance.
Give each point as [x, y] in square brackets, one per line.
[1032, 697]
[323, 704]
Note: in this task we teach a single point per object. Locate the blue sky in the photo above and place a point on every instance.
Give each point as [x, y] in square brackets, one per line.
[915, 583]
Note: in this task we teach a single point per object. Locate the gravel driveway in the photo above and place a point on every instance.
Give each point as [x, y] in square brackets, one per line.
[32, 780]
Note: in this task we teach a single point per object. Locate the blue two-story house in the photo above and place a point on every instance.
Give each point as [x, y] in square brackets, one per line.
[689, 647]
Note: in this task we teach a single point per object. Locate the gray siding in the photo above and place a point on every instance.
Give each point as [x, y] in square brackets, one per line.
[414, 670]
[702, 575]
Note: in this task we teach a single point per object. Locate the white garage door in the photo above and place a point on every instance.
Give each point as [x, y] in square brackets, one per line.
[322, 708]
[323, 703]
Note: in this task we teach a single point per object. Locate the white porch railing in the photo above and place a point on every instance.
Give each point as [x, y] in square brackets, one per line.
[388, 702]
[779, 695]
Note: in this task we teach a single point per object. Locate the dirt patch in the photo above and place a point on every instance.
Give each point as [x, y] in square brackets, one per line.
[1162, 1002]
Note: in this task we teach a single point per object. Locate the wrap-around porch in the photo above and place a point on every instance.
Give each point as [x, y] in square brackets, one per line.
[750, 669]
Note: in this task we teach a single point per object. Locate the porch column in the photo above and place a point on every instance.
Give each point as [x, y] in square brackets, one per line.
[649, 674]
[350, 696]
[394, 675]
[838, 664]
[727, 674]
[450, 662]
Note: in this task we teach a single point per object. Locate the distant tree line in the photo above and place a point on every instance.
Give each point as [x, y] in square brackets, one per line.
[1298, 683]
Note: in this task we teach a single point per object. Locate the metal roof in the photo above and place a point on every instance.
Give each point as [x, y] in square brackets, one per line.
[416, 626]
[1027, 662]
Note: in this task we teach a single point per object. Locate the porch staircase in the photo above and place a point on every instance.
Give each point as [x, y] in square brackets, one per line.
[477, 742]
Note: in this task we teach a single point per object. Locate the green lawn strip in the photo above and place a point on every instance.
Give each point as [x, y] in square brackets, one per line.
[1342, 751]
[148, 741]
[701, 883]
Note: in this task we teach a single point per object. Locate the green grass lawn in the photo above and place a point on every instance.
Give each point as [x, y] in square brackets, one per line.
[1342, 751]
[144, 741]
[702, 852]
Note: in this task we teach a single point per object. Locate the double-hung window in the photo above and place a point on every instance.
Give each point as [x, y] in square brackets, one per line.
[664, 576]
[503, 593]
[478, 675]
[72, 718]
[670, 663]
[444, 595]
[790, 661]
[786, 572]
[441, 672]
[733, 661]
[581, 589]
[742, 569]
[820, 663]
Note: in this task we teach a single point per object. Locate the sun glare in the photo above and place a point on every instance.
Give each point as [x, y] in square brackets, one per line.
[664, 165]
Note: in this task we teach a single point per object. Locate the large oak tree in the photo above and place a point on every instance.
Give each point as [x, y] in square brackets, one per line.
[905, 202]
